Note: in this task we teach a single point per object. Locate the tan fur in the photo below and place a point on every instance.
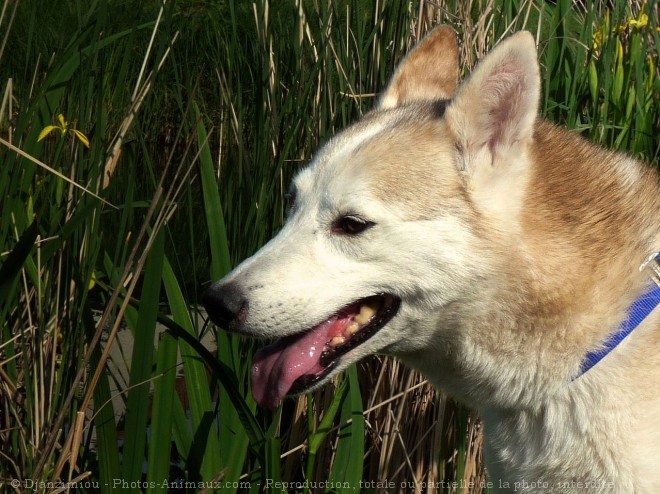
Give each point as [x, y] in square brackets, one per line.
[513, 247]
[577, 229]
[567, 227]
[423, 191]
[437, 55]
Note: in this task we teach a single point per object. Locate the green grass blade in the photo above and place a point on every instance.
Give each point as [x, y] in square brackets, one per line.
[204, 458]
[349, 458]
[104, 422]
[318, 436]
[231, 433]
[183, 436]
[220, 259]
[14, 262]
[224, 374]
[141, 369]
[158, 460]
[272, 465]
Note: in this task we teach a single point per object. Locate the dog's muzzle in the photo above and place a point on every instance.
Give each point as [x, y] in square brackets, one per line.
[301, 360]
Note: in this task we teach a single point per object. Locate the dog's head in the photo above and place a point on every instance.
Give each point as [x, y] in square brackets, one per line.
[386, 233]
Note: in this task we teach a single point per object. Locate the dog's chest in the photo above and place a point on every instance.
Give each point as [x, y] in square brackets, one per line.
[563, 449]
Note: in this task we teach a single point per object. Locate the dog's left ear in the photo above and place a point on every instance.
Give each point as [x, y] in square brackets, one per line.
[495, 109]
[428, 73]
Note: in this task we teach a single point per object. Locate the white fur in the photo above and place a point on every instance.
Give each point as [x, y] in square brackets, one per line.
[501, 292]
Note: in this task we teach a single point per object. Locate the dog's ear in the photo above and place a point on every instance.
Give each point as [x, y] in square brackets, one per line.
[495, 109]
[428, 73]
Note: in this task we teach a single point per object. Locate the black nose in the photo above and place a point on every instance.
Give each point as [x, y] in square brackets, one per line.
[226, 305]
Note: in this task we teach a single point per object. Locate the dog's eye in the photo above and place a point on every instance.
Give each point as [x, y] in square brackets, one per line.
[351, 225]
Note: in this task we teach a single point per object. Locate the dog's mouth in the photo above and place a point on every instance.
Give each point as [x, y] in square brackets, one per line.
[296, 363]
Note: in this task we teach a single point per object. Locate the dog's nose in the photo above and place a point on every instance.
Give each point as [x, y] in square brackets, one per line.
[226, 305]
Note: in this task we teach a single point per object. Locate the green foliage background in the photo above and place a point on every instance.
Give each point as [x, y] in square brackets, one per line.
[198, 113]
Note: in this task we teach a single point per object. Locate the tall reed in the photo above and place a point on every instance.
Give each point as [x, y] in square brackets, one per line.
[198, 114]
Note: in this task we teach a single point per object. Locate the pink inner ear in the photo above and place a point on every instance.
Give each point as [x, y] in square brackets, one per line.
[496, 107]
[505, 101]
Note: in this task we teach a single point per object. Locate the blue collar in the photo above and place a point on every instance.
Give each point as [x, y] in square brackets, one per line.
[637, 312]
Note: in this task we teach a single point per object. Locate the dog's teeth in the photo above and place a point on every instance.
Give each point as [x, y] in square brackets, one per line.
[352, 328]
[366, 311]
[337, 340]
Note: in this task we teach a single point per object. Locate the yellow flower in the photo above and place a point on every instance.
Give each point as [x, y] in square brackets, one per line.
[641, 21]
[598, 39]
[63, 127]
[621, 29]
[601, 35]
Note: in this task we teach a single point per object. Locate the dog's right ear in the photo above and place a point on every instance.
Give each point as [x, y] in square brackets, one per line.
[428, 73]
[494, 111]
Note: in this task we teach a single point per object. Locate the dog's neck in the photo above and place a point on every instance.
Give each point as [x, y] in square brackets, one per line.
[572, 278]
[641, 308]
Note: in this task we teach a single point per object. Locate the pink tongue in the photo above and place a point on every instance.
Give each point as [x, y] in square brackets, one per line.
[275, 368]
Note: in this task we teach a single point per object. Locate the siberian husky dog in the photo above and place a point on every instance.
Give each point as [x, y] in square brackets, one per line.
[499, 255]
